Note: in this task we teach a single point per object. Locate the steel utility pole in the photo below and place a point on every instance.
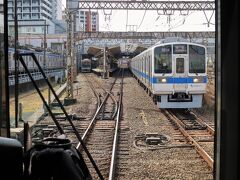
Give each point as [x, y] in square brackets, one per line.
[44, 44]
[70, 52]
[104, 62]
[73, 53]
[16, 62]
[69, 19]
[45, 59]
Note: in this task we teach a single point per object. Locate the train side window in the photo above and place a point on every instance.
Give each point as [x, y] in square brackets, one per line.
[138, 65]
[149, 65]
[145, 65]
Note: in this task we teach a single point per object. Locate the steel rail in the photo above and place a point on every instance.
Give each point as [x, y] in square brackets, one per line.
[94, 91]
[199, 149]
[113, 159]
[93, 121]
[112, 97]
[209, 128]
[95, 115]
[115, 102]
[116, 109]
[60, 104]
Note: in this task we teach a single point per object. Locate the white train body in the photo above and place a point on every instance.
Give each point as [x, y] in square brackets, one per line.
[53, 61]
[123, 62]
[86, 65]
[174, 73]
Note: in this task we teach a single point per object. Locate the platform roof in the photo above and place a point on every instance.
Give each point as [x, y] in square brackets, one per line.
[139, 49]
[98, 51]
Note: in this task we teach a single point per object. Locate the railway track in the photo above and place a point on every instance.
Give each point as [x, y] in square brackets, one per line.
[101, 135]
[195, 131]
[99, 132]
[106, 136]
[208, 121]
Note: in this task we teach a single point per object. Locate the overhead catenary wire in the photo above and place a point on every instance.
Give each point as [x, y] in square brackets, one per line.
[127, 20]
[142, 19]
[182, 21]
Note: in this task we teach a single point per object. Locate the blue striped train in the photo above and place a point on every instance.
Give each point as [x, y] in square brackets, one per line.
[173, 73]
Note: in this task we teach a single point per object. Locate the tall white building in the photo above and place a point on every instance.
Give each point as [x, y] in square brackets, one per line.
[84, 20]
[87, 21]
[32, 15]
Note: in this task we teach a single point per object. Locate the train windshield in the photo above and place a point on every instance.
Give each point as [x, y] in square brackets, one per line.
[86, 63]
[163, 59]
[196, 59]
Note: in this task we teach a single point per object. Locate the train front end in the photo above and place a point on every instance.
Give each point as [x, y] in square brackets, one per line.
[86, 65]
[179, 77]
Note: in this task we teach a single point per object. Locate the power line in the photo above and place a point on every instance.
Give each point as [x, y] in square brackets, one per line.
[182, 21]
[142, 19]
[127, 21]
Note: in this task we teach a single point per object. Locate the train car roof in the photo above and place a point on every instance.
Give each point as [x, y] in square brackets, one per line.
[36, 52]
[162, 43]
[97, 51]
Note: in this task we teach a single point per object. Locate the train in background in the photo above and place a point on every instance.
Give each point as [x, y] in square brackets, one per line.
[86, 65]
[53, 60]
[123, 62]
[173, 73]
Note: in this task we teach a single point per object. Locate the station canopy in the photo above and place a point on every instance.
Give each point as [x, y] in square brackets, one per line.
[139, 49]
[98, 51]
[114, 51]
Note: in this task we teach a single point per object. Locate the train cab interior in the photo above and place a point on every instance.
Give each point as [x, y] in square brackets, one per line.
[227, 145]
[15, 155]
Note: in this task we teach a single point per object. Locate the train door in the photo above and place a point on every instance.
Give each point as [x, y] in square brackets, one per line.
[145, 69]
[180, 73]
[142, 69]
[149, 71]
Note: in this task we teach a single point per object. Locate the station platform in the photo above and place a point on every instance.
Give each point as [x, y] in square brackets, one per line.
[98, 71]
[32, 120]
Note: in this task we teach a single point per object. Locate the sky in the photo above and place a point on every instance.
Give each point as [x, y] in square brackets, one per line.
[152, 21]
[116, 20]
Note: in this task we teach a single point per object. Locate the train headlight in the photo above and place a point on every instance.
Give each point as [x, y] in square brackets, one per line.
[164, 80]
[195, 80]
